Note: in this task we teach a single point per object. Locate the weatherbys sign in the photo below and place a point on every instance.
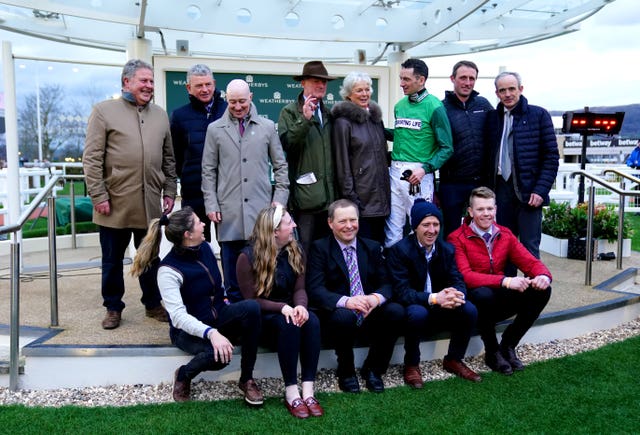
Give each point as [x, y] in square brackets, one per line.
[602, 143]
[271, 92]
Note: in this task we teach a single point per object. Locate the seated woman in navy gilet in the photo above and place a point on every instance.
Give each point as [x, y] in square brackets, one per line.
[201, 319]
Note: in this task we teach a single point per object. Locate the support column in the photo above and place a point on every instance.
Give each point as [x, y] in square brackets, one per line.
[11, 125]
[140, 48]
[394, 60]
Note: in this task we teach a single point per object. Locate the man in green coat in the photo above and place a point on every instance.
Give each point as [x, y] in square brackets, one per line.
[305, 132]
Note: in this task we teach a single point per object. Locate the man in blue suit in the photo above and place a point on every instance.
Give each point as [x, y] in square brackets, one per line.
[348, 284]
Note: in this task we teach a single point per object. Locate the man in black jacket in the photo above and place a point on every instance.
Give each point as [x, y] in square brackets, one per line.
[427, 282]
[348, 283]
[189, 125]
[464, 171]
[523, 161]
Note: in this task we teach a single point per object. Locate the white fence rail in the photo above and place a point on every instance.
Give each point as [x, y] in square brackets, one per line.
[566, 188]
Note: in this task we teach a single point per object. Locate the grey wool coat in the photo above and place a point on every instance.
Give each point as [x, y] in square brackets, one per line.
[236, 172]
[128, 160]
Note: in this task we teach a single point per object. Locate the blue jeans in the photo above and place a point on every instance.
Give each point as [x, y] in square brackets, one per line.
[292, 342]
[422, 321]
[114, 242]
[240, 319]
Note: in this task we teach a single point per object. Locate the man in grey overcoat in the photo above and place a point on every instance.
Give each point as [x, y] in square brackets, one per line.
[239, 151]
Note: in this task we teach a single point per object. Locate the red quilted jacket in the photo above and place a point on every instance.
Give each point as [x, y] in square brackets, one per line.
[480, 268]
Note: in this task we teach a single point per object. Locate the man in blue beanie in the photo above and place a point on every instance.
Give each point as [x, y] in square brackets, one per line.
[427, 282]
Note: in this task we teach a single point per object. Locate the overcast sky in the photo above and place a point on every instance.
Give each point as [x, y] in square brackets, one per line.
[598, 65]
[595, 66]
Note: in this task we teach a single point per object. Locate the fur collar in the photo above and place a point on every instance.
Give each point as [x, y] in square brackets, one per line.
[355, 113]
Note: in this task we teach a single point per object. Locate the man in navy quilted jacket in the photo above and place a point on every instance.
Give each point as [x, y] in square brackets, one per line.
[188, 130]
[523, 160]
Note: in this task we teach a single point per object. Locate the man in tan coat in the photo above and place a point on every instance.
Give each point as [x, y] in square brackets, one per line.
[130, 173]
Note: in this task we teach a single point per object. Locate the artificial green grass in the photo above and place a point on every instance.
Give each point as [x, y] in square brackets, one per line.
[593, 392]
[634, 220]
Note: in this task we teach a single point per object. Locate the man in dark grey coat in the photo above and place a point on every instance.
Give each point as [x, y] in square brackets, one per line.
[523, 160]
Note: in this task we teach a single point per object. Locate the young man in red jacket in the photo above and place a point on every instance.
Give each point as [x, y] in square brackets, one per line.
[483, 248]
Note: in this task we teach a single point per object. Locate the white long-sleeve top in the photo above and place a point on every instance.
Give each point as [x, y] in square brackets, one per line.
[169, 282]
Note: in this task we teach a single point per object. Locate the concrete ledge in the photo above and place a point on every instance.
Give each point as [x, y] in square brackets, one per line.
[70, 366]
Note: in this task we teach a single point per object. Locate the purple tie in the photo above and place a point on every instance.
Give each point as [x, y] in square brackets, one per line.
[355, 286]
[241, 126]
[486, 237]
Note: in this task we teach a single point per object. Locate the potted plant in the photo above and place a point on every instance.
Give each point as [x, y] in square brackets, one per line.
[561, 222]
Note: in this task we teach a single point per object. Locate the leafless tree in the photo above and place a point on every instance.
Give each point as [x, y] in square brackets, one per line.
[62, 124]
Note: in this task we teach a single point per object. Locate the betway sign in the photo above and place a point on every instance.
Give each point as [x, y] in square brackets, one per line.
[602, 143]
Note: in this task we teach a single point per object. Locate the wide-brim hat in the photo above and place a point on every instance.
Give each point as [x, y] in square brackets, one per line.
[314, 68]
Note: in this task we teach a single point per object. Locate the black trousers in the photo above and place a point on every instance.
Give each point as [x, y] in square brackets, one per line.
[380, 329]
[114, 243]
[497, 304]
[241, 319]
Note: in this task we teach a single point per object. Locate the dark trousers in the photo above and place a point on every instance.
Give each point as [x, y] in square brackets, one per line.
[381, 329]
[524, 221]
[198, 208]
[114, 242]
[372, 228]
[241, 319]
[311, 226]
[293, 342]
[421, 320]
[454, 200]
[229, 253]
[497, 304]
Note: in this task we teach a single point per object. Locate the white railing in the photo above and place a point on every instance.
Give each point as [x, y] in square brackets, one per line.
[566, 188]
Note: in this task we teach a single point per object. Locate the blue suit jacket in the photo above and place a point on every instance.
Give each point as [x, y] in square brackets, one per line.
[328, 277]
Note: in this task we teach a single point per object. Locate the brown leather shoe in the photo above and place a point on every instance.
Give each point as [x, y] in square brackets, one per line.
[314, 406]
[297, 408]
[181, 389]
[158, 313]
[111, 319]
[252, 394]
[413, 377]
[459, 368]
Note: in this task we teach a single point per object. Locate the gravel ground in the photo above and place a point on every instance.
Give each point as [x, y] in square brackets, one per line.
[127, 395]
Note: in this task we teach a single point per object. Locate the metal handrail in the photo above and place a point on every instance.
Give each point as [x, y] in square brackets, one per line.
[622, 193]
[622, 174]
[14, 340]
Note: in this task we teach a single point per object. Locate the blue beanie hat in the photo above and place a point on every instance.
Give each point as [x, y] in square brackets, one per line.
[421, 209]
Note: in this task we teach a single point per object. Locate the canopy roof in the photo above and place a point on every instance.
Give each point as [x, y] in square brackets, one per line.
[298, 30]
